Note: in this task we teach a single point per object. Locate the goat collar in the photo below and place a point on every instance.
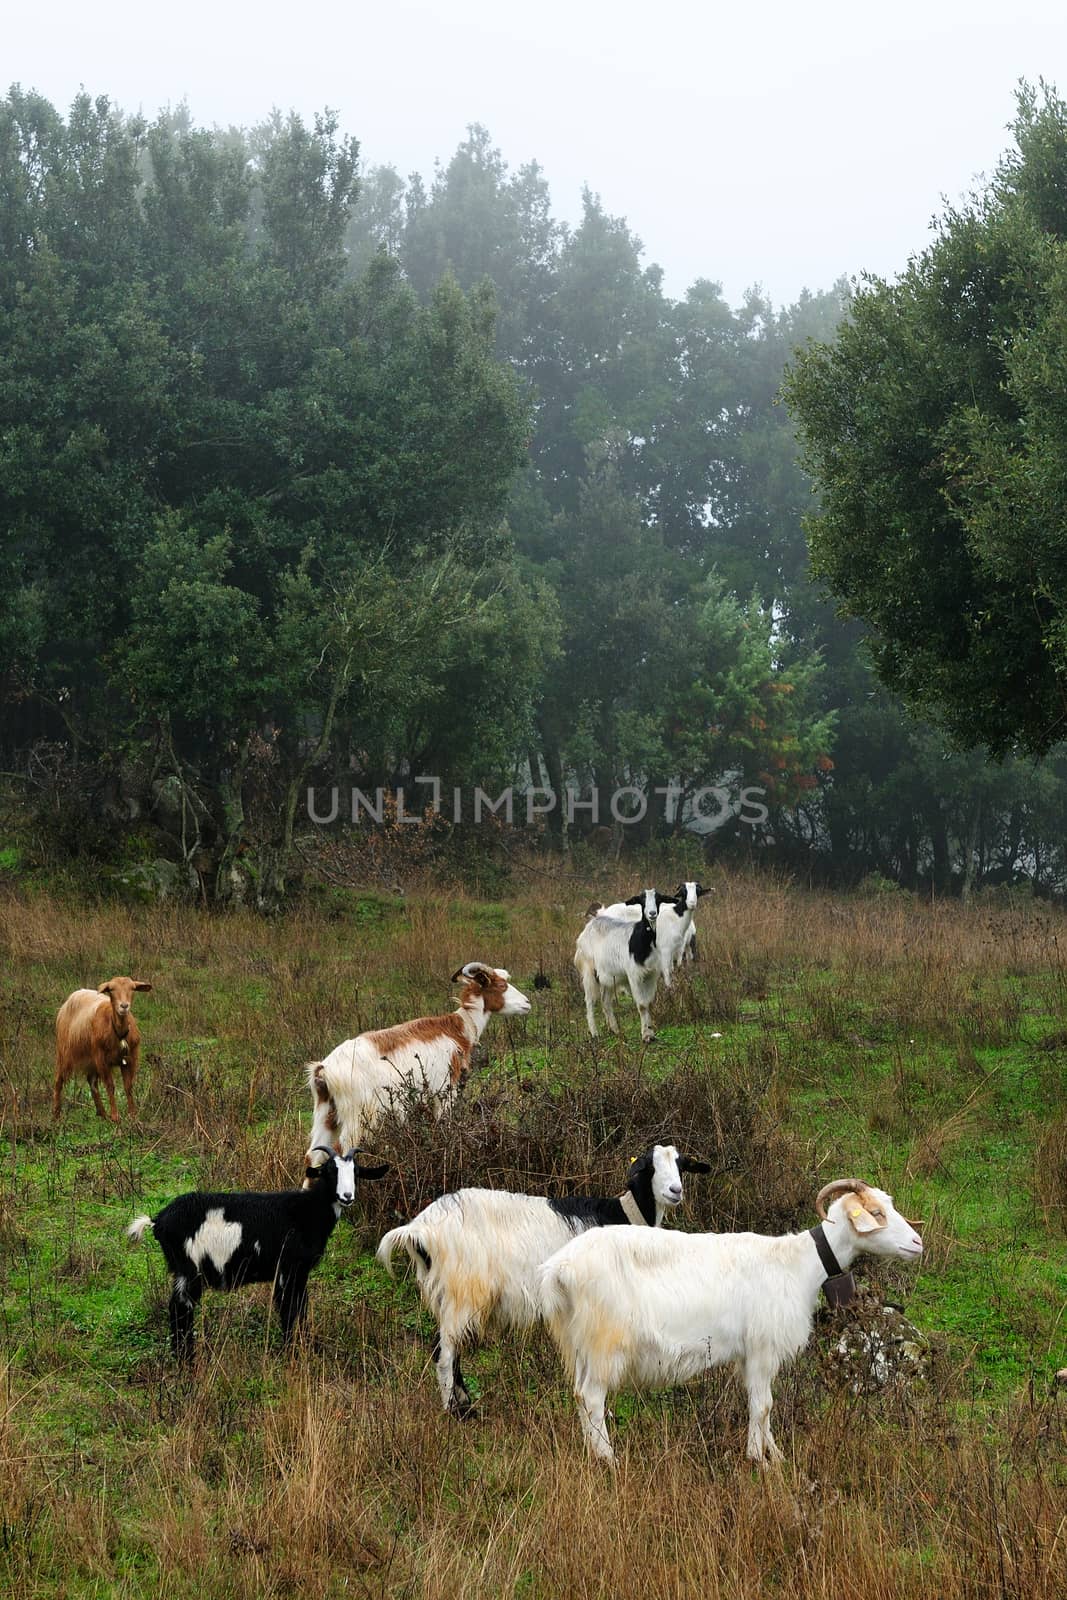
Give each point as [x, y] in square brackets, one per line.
[833, 1267]
[631, 1210]
[839, 1286]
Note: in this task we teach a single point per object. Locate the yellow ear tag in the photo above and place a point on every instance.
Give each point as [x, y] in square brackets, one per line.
[632, 1160]
[854, 1212]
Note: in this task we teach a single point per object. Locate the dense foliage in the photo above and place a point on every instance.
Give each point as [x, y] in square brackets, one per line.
[314, 476]
[934, 424]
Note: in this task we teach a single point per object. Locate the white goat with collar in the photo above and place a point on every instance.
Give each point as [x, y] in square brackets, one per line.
[630, 1308]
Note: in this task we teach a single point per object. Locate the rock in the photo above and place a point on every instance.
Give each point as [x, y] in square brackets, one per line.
[877, 1348]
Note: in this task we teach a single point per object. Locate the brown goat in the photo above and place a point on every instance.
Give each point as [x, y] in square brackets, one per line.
[95, 1031]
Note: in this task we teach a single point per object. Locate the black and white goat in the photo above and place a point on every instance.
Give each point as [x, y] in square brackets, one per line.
[633, 1310]
[675, 929]
[610, 949]
[648, 901]
[476, 1252]
[226, 1240]
[673, 915]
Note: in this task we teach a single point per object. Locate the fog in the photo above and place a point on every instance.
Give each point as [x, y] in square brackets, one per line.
[784, 148]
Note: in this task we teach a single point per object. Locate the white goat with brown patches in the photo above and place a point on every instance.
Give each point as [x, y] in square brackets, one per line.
[631, 1308]
[96, 1031]
[383, 1068]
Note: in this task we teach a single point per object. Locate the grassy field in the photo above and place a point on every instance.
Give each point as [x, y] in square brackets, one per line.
[907, 1043]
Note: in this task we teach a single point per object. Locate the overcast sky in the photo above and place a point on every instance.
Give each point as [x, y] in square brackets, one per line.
[783, 144]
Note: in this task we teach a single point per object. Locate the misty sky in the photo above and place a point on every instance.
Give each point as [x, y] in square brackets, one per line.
[780, 143]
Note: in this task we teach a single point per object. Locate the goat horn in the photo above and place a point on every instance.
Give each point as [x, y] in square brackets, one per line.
[839, 1186]
[324, 1148]
[469, 970]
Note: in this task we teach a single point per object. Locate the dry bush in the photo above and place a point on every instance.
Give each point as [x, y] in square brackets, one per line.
[575, 1130]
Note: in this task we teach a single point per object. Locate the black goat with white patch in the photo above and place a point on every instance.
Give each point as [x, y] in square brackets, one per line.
[222, 1241]
[476, 1252]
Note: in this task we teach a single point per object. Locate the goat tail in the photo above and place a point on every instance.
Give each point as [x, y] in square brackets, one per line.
[557, 1307]
[137, 1228]
[311, 1072]
[397, 1239]
[552, 1293]
[401, 1239]
[390, 1242]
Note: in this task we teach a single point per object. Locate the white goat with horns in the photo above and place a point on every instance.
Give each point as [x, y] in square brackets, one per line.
[634, 1307]
[360, 1080]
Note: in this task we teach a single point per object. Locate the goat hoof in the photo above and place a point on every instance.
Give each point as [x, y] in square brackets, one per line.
[461, 1406]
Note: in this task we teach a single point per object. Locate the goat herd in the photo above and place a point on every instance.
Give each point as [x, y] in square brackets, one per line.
[627, 1304]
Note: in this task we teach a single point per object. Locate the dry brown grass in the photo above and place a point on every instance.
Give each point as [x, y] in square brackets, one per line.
[335, 1488]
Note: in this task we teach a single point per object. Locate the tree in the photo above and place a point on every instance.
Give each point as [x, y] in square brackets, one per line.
[238, 490]
[933, 428]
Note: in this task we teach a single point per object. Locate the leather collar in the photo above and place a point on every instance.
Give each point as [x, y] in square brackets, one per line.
[632, 1210]
[831, 1265]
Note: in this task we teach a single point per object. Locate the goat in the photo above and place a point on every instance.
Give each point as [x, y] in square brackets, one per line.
[633, 1309]
[610, 949]
[647, 902]
[476, 1252]
[226, 1240]
[359, 1080]
[675, 932]
[95, 1031]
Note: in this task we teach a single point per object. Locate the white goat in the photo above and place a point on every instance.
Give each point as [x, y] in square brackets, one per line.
[476, 1252]
[629, 1309]
[675, 932]
[609, 950]
[359, 1080]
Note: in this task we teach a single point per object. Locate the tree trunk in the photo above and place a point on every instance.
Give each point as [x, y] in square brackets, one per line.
[970, 857]
[556, 820]
[231, 784]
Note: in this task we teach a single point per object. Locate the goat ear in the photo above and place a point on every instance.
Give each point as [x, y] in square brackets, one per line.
[104, 988]
[687, 1164]
[139, 983]
[635, 900]
[701, 890]
[860, 1217]
[372, 1172]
